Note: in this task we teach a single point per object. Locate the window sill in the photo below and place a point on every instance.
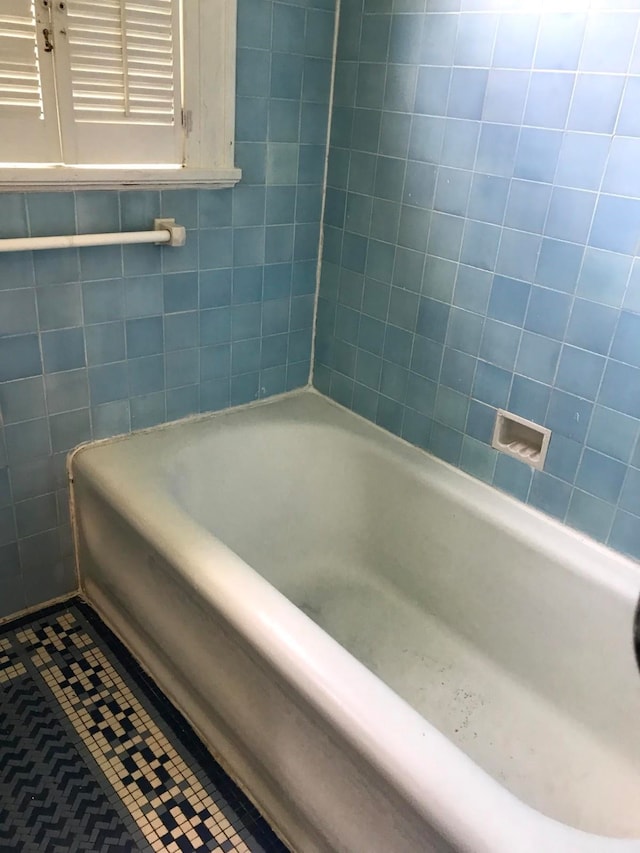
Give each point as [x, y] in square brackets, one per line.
[69, 179]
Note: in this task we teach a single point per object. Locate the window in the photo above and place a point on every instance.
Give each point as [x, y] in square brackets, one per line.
[98, 93]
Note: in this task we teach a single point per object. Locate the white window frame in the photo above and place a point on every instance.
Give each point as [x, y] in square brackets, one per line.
[208, 116]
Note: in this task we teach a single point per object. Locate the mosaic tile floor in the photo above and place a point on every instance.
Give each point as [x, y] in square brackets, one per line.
[94, 758]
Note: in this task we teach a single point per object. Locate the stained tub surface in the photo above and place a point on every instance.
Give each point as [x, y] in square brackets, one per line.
[386, 653]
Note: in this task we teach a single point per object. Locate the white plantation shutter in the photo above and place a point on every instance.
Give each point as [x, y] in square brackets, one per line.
[93, 93]
[119, 65]
[29, 124]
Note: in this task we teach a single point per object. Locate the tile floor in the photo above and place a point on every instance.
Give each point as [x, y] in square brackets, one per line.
[93, 757]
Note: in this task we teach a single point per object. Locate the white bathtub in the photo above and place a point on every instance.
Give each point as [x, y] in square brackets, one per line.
[388, 655]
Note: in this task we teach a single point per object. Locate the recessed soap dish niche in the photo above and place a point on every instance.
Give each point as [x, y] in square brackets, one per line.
[521, 439]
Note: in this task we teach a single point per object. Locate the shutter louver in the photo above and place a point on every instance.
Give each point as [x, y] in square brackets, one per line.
[122, 60]
[20, 86]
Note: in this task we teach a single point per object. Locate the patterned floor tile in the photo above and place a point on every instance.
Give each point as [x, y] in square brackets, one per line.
[93, 757]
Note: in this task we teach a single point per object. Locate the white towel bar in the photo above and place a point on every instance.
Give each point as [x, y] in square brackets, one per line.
[165, 231]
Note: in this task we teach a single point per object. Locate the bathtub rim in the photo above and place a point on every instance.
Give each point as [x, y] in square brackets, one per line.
[445, 812]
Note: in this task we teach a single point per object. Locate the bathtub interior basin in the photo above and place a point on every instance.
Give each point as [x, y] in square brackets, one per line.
[459, 628]
[527, 666]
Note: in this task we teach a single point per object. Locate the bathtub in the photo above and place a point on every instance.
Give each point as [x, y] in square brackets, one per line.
[385, 653]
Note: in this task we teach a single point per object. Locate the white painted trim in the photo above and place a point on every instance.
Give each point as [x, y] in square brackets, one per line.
[209, 82]
[67, 178]
[209, 57]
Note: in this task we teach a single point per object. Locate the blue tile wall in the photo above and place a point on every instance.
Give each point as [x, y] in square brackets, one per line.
[100, 341]
[481, 239]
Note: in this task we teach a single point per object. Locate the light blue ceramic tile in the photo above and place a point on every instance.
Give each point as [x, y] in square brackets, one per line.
[111, 419]
[499, 344]
[103, 301]
[548, 101]
[547, 313]
[570, 214]
[182, 367]
[465, 331]
[51, 214]
[69, 429]
[591, 326]
[146, 375]
[615, 225]
[36, 515]
[621, 388]
[56, 266]
[608, 41]
[518, 254]
[537, 154]
[144, 336]
[604, 276]
[630, 497]
[580, 372]
[13, 215]
[105, 343]
[563, 457]
[425, 141]
[18, 311]
[625, 534]
[620, 177]
[33, 478]
[438, 40]
[98, 211]
[628, 120]
[474, 43]
[512, 476]
[569, 415]
[560, 41]
[60, 306]
[497, 149]
[480, 421]
[600, 476]
[515, 41]
[472, 289]
[509, 299]
[595, 102]
[613, 433]
[67, 391]
[589, 514]
[625, 342]
[27, 440]
[582, 160]
[397, 346]
[478, 459]
[488, 198]
[63, 349]
[491, 385]
[549, 494]
[457, 371]
[506, 96]
[538, 357]
[108, 383]
[138, 209]
[22, 400]
[452, 143]
[527, 206]
[559, 265]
